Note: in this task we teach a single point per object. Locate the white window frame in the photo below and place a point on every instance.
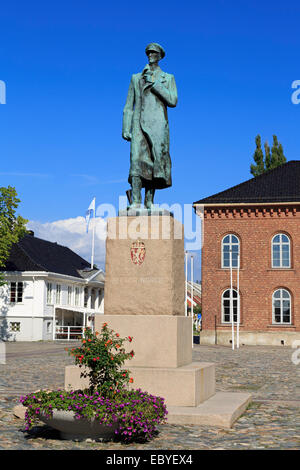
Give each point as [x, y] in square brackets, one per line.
[15, 326]
[18, 299]
[58, 294]
[49, 293]
[281, 299]
[49, 327]
[85, 297]
[230, 244]
[70, 295]
[235, 307]
[93, 298]
[280, 244]
[77, 296]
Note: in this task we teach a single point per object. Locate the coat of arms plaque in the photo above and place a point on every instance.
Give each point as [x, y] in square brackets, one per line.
[138, 252]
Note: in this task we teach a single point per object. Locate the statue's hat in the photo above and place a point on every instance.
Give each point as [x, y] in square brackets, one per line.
[153, 46]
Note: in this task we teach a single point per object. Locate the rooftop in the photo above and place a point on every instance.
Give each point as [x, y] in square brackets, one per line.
[282, 184]
[34, 254]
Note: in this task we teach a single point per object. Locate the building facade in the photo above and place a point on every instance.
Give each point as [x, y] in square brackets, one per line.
[50, 293]
[251, 260]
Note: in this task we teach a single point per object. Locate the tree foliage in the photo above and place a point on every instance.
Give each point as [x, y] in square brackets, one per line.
[12, 226]
[271, 159]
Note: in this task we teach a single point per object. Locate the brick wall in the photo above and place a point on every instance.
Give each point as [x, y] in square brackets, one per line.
[255, 228]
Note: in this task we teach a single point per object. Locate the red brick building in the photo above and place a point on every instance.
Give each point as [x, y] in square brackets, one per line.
[260, 220]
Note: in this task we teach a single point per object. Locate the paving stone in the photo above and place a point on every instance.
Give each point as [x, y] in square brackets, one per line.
[272, 421]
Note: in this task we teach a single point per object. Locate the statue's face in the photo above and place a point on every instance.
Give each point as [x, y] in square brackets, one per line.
[153, 57]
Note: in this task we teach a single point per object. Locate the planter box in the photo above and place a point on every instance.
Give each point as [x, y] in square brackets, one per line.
[83, 428]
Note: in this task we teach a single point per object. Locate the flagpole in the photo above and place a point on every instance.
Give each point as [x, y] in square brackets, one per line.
[192, 298]
[185, 283]
[93, 236]
[231, 302]
[238, 303]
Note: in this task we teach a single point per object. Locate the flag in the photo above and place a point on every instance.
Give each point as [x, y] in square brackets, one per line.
[89, 212]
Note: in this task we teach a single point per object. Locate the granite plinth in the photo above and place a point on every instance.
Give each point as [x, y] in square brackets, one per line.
[158, 340]
[188, 385]
[144, 273]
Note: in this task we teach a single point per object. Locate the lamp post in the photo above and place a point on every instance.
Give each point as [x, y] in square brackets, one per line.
[192, 298]
[185, 254]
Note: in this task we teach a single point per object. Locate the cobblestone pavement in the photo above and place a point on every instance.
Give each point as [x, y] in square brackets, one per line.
[272, 421]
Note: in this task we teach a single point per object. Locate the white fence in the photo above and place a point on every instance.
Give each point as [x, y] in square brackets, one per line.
[70, 333]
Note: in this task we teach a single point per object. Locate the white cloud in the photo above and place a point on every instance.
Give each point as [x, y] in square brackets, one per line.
[72, 233]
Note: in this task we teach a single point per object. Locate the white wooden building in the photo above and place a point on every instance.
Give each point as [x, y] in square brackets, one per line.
[51, 293]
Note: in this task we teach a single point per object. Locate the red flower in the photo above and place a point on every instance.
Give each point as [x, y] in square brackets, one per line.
[131, 380]
[130, 338]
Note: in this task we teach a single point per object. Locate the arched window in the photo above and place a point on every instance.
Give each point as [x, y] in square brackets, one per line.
[230, 250]
[281, 306]
[226, 305]
[281, 251]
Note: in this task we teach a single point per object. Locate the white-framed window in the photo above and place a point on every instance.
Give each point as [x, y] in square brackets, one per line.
[226, 297]
[77, 296]
[49, 293]
[281, 302]
[281, 251]
[86, 297]
[70, 292]
[93, 299]
[15, 326]
[58, 294]
[16, 292]
[230, 251]
[49, 327]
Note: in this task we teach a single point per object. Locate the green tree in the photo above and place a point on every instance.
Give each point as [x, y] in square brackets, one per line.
[12, 227]
[273, 157]
[267, 157]
[277, 156]
[258, 158]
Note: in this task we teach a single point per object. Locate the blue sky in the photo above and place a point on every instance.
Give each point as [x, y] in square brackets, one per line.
[67, 67]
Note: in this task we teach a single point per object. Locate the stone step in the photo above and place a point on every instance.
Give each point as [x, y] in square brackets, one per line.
[220, 410]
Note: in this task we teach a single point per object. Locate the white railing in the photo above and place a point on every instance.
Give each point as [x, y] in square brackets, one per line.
[70, 333]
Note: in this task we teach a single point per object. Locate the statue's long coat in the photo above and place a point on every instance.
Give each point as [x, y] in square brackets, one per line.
[145, 116]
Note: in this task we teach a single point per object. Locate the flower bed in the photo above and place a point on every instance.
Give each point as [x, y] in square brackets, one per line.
[132, 413]
[137, 413]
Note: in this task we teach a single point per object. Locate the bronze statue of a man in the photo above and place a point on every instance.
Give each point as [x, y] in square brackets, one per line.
[145, 124]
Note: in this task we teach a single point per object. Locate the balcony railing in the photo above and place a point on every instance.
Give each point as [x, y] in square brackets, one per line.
[70, 333]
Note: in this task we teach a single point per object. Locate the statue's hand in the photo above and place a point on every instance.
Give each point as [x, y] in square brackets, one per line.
[148, 77]
[126, 136]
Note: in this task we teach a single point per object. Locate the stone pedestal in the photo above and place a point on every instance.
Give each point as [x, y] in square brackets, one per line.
[144, 273]
[158, 340]
[144, 299]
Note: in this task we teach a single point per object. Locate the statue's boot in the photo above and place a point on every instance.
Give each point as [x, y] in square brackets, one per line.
[136, 184]
[149, 196]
